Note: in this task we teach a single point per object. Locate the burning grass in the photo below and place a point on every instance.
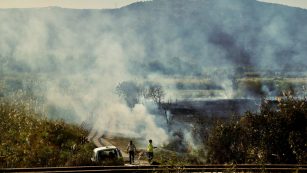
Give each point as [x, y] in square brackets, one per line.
[162, 155]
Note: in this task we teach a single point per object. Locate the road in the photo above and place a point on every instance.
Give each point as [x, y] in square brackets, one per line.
[100, 141]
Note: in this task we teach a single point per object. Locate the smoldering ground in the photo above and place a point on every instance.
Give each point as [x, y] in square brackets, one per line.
[82, 55]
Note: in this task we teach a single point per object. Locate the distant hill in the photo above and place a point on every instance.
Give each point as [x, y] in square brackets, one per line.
[181, 37]
[70, 62]
[218, 32]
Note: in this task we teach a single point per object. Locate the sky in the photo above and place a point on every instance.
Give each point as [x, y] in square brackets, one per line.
[99, 4]
[79, 4]
[294, 3]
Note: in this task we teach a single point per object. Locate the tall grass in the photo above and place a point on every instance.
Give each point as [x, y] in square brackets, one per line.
[29, 139]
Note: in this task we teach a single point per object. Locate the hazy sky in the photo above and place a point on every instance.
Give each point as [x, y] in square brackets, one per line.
[294, 3]
[65, 3]
[105, 3]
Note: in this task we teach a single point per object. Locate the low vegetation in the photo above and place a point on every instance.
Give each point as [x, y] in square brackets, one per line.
[168, 157]
[28, 139]
[277, 134]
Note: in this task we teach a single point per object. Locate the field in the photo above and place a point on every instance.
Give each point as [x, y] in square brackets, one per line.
[194, 102]
[192, 88]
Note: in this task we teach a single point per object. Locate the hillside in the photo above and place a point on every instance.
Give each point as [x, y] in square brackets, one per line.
[72, 61]
[168, 37]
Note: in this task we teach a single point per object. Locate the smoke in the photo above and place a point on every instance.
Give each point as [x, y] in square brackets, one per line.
[80, 56]
[80, 60]
[137, 123]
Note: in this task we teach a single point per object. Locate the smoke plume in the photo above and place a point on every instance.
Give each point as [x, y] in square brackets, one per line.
[80, 56]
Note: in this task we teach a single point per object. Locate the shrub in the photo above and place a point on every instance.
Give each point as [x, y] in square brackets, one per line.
[30, 140]
[277, 134]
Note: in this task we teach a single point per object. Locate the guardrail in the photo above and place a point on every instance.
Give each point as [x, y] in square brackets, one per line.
[274, 168]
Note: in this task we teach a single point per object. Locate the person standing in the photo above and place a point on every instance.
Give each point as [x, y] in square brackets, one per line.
[131, 149]
[150, 151]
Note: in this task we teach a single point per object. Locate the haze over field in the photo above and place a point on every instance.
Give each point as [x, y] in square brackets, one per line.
[80, 56]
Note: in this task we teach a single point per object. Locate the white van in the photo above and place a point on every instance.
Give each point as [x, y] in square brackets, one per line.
[107, 156]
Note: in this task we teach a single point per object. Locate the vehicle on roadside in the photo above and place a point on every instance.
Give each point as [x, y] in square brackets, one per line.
[107, 156]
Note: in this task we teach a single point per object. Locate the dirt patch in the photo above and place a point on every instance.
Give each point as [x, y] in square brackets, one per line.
[122, 142]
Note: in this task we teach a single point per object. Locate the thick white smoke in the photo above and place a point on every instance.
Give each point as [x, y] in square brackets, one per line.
[80, 61]
[80, 56]
[137, 123]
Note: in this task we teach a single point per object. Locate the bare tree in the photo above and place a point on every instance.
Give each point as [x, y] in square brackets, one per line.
[130, 92]
[157, 94]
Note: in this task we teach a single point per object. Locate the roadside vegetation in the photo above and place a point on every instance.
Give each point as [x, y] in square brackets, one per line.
[29, 139]
[169, 157]
[277, 134]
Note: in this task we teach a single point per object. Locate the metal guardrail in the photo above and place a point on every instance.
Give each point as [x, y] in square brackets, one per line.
[280, 168]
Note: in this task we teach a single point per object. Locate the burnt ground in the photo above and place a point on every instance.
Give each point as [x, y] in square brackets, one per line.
[216, 107]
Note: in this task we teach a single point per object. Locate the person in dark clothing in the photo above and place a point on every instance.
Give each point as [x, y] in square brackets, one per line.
[131, 149]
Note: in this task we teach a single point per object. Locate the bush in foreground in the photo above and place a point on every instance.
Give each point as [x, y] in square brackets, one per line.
[30, 140]
[277, 134]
